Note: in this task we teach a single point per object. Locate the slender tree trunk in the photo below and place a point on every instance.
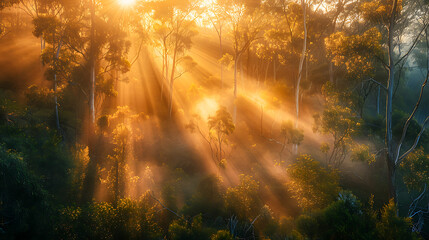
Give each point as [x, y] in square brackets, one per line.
[378, 100]
[92, 96]
[262, 119]
[116, 191]
[242, 85]
[57, 118]
[221, 55]
[89, 183]
[42, 44]
[389, 107]
[170, 109]
[166, 69]
[163, 73]
[173, 69]
[248, 63]
[301, 63]
[331, 72]
[92, 77]
[234, 115]
[391, 170]
[266, 72]
[274, 70]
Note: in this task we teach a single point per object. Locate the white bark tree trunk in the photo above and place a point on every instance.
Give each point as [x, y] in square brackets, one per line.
[301, 64]
[234, 115]
[389, 107]
[173, 69]
[221, 55]
[57, 118]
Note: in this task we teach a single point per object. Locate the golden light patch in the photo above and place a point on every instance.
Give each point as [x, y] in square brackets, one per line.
[126, 3]
[207, 107]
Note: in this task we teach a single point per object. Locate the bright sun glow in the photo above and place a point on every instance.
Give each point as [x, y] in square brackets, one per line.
[126, 3]
[207, 107]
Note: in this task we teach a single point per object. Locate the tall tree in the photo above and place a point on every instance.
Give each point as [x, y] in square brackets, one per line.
[174, 28]
[391, 17]
[246, 26]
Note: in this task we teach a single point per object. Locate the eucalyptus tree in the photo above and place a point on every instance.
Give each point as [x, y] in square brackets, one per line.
[58, 26]
[103, 48]
[173, 28]
[392, 19]
[246, 23]
[5, 4]
[220, 126]
[216, 13]
[295, 26]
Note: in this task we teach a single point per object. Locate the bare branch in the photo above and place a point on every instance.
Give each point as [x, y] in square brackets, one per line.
[415, 143]
[412, 46]
[407, 124]
[150, 193]
[376, 82]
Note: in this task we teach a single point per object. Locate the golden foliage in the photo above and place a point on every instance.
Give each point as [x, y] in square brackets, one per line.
[379, 11]
[312, 185]
[356, 52]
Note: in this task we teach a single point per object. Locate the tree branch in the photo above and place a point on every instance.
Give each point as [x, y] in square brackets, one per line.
[407, 124]
[376, 82]
[415, 143]
[412, 46]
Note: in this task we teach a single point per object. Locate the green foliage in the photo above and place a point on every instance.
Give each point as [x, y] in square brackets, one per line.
[42, 150]
[379, 11]
[399, 118]
[346, 219]
[221, 123]
[243, 200]
[415, 170]
[220, 126]
[208, 199]
[340, 122]
[122, 127]
[222, 235]
[227, 60]
[391, 226]
[7, 3]
[184, 230]
[307, 226]
[361, 153]
[356, 52]
[291, 134]
[310, 184]
[131, 219]
[24, 202]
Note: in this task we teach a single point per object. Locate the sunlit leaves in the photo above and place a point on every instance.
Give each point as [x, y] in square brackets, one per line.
[220, 126]
[221, 123]
[392, 226]
[291, 134]
[339, 121]
[7, 3]
[130, 219]
[416, 170]
[227, 60]
[362, 153]
[379, 11]
[123, 129]
[357, 52]
[243, 200]
[312, 185]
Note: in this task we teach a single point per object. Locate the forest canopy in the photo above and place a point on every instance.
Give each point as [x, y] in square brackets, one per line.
[214, 119]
